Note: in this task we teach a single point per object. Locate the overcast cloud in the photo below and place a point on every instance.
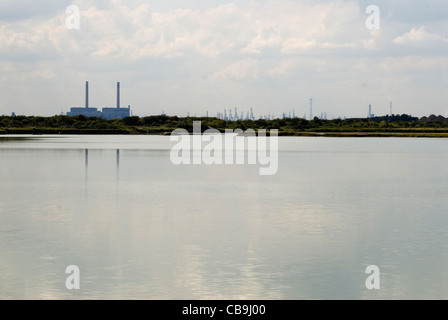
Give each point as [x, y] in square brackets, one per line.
[194, 56]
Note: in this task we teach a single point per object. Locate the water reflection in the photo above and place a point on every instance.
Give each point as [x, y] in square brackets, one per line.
[118, 164]
[86, 162]
[86, 157]
[140, 227]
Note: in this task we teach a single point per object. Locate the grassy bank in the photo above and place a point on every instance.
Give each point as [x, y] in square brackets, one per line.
[395, 126]
[38, 131]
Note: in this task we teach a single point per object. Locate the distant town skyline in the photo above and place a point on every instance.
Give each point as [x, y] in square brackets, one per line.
[192, 56]
[117, 112]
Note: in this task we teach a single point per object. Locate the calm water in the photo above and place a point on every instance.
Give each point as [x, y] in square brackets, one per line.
[139, 227]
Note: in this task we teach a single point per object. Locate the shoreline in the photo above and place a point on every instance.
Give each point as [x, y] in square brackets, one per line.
[317, 134]
[387, 126]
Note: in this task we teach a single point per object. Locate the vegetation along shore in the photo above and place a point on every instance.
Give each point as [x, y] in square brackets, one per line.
[385, 126]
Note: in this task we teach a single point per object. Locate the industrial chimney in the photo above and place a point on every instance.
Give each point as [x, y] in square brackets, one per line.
[311, 109]
[118, 95]
[87, 94]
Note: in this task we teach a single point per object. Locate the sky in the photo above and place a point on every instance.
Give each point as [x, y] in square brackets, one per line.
[192, 56]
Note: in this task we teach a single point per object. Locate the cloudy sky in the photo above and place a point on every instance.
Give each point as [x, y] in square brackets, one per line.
[192, 56]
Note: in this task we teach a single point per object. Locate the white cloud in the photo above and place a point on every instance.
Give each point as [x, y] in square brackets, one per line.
[295, 45]
[239, 70]
[285, 67]
[286, 50]
[121, 32]
[420, 37]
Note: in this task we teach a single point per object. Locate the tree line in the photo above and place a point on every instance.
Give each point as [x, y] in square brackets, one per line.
[158, 124]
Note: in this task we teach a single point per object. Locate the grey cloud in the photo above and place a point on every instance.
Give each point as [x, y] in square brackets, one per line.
[12, 10]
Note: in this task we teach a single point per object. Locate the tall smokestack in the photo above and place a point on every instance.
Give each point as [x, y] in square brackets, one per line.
[118, 95]
[87, 94]
[311, 109]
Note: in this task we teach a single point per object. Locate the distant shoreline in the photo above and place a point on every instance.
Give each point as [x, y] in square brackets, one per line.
[396, 126]
[358, 134]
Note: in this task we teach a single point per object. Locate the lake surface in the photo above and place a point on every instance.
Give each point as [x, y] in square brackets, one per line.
[140, 227]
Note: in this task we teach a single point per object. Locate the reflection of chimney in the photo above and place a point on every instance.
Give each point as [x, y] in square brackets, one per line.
[118, 95]
[87, 94]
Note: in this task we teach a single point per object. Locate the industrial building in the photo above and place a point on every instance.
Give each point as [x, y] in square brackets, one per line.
[107, 113]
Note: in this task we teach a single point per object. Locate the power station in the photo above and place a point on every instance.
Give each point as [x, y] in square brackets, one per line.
[107, 113]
